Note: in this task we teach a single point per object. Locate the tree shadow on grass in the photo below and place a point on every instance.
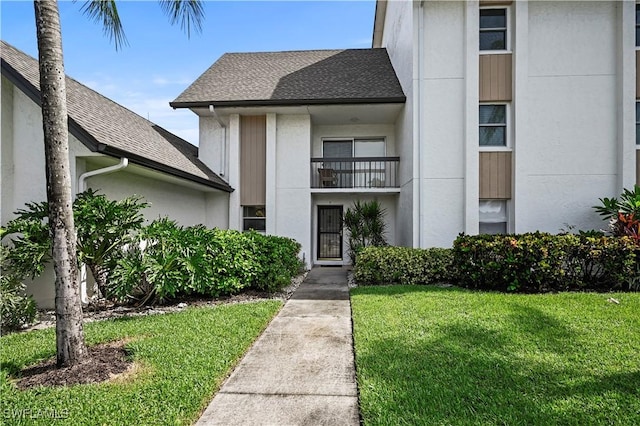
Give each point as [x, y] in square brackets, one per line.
[467, 373]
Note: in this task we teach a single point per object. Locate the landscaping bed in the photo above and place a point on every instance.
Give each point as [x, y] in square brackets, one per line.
[177, 362]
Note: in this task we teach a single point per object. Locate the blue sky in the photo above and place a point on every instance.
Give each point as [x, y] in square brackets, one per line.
[160, 61]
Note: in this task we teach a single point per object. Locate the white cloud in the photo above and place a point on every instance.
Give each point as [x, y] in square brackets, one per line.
[150, 99]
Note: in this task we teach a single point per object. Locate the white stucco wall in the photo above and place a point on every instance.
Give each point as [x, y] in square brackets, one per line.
[567, 155]
[567, 96]
[398, 38]
[185, 205]
[292, 181]
[213, 153]
[442, 123]
[6, 151]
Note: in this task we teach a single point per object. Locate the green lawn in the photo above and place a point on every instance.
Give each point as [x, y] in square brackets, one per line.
[434, 356]
[184, 356]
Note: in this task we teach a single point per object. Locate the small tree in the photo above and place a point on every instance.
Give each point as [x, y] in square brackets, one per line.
[366, 225]
[103, 228]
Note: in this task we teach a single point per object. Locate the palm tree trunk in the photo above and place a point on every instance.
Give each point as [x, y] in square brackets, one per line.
[69, 334]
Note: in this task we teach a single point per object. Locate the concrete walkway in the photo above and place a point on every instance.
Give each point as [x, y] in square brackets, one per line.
[301, 370]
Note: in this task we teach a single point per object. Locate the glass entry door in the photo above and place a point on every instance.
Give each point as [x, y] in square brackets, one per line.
[330, 232]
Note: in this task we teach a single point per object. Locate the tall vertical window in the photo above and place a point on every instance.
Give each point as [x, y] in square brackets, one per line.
[493, 125]
[637, 25]
[493, 29]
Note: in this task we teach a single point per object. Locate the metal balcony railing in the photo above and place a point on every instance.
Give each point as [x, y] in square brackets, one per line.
[355, 172]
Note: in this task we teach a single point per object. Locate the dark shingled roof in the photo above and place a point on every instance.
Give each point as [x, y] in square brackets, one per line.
[296, 78]
[107, 127]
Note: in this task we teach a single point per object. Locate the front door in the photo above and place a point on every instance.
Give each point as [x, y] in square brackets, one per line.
[329, 232]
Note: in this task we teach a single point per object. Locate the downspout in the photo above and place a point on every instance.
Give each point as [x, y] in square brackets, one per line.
[224, 139]
[418, 238]
[124, 162]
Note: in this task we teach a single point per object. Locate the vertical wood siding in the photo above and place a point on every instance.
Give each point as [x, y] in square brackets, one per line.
[253, 160]
[495, 175]
[495, 78]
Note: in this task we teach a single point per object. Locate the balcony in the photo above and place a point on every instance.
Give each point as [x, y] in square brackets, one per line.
[360, 173]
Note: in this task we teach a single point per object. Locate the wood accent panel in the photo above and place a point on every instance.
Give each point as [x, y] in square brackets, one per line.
[495, 77]
[637, 166]
[637, 74]
[495, 175]
[253, 160]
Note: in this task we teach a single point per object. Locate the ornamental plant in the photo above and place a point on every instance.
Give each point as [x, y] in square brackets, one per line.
[366, 225]
[623, 214]
[104, 227]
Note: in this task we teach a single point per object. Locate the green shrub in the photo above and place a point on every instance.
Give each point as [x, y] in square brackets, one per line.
[278, 261]
[540, 262]
[401, 265]
[169, 261]
[16, 308]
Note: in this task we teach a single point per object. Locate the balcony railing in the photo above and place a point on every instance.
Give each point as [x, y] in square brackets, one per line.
[355, 172]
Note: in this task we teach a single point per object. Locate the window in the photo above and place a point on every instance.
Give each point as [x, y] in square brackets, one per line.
[493, 216]
[356, 163]
[637, 25]
[253, 217]
[493, 29]
[637, 123]
[493, 125]
[349, 148]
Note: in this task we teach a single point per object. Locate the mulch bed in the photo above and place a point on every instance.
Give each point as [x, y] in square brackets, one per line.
[110, 359]
[103, 363]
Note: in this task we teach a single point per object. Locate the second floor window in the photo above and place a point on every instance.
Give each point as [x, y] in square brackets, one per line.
[493, 125]
[493, 29]
[637, 25]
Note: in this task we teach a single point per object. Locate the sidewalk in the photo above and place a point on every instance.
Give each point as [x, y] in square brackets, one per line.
[301, 370]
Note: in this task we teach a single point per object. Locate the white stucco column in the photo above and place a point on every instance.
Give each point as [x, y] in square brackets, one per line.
[235, 215]
[522, 148]
[472, 100]
[417, 125]
[625, 96]
[271, 169]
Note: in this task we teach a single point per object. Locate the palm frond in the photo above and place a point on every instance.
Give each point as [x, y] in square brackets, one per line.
[189, 13]
[105, 12]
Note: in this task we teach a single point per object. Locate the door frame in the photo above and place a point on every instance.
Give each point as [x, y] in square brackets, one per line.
[321, 208]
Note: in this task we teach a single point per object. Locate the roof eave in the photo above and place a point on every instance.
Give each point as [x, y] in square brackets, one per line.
[287, 102]
[145, 162]
[93, 145]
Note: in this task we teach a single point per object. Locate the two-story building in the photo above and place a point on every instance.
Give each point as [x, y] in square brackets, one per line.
[520, 115]
[300, 136]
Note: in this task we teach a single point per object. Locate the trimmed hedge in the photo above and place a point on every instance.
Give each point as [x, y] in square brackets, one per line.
[174, 261]
[532, 262]
[541, 262]
[401, 265]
